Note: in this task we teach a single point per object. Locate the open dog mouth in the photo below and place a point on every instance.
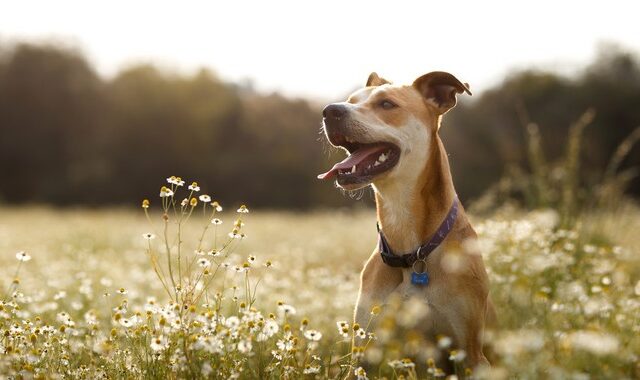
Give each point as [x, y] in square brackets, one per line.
[365, 161]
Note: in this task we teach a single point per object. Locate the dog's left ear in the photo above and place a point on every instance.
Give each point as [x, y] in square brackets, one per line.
[440, 89]
[375, 80]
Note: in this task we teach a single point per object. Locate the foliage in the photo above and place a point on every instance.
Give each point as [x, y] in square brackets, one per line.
[489, 136]
[70, 136]
[561, 185]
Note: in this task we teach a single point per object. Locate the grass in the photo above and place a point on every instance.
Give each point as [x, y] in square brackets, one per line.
[568, 299]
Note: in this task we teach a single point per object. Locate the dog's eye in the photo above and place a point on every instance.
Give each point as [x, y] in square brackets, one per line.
[387, 104]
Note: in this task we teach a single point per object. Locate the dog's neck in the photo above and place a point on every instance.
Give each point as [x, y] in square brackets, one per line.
[410, 213]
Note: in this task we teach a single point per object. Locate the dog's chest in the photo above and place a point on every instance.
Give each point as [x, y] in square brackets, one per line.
[432, 290]
[408, 289]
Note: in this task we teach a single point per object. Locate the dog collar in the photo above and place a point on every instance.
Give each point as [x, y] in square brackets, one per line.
[407, 260]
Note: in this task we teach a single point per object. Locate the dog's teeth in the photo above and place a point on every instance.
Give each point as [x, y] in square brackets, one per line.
[376, 163]
[382, 158]
[353, 169]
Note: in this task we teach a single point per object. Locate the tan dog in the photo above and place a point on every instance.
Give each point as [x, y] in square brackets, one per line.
[391, 135]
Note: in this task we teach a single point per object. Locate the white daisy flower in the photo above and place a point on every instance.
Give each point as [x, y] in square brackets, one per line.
[311, 369]
[313, 335]
[244, 346]
[23, 256]
[175, 181]
[287, 309]
[444, 342]
[360, 373]
[457, 355]
[165, 192]
[343, 328]
[159, 343]
[126, 322]
[204, 263]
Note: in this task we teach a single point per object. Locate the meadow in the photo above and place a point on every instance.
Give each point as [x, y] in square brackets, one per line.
[93, 294]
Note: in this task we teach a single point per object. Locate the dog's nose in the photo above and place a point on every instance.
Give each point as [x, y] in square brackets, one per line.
[334, 111]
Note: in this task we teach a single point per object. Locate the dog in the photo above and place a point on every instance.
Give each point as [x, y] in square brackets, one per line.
[390, 133]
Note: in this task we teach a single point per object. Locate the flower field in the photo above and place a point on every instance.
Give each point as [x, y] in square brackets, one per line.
[192, 290]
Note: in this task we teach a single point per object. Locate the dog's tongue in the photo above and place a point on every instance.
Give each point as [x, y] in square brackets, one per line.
[354, 159]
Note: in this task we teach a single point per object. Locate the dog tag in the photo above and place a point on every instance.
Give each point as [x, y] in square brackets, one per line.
[420, 277]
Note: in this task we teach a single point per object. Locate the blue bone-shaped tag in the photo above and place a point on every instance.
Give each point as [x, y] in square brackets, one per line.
[419, 278]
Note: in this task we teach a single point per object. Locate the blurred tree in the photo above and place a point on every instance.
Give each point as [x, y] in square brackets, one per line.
[50, 108]
[486, 134]
[162, 124]
[69, 136]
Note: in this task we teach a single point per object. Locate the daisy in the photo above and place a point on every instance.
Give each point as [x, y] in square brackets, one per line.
[287, 309]
[343, 328]
[457, 355]
[311, 369]
[204, 198]
[204, 263]
[244, 346]
[313, 335]
[23, 256]
[444, 342]
[175, 181]
[360, 373]
[165, 192]
[214, 253]
[159, 343]
[271, 328]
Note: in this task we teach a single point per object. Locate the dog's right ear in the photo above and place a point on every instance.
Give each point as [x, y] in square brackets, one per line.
[440, 88]
[375, 80]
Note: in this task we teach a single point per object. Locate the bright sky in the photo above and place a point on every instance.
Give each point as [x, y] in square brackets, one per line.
[324, 49]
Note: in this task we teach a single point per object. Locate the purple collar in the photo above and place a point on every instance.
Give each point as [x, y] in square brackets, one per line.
[407, 260]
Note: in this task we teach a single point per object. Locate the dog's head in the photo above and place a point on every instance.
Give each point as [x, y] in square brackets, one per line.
[387, 129]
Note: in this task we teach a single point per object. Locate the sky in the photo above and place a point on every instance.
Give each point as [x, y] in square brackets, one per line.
[325, 49]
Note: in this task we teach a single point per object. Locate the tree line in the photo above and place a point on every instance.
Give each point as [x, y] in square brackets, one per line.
[70, 136]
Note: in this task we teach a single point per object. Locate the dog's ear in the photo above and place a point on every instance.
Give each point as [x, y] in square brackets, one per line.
[440, 89]
[375, 80]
